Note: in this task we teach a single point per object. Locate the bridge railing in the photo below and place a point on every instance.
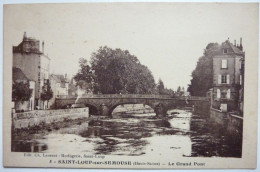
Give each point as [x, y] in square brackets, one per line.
[130, 96]
[193, 98]
[66, 96]
[112, 96]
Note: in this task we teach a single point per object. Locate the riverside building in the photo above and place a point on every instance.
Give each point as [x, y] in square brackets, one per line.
[228, 77]
[34, 64]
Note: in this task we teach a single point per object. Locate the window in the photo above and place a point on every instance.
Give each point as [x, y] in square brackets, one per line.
[240, 79]
[225, 51]
[223, 95]
[224, 64]
[223, 79]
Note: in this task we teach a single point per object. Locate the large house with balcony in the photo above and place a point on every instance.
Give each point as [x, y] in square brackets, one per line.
[228, 75]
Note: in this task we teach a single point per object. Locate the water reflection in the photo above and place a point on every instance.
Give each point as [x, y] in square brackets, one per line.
[210, 140]
[182, 134]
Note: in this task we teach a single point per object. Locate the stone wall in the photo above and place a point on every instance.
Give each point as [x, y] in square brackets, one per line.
[29, 63]
[34, 118]
[233, 124]
[218, 116]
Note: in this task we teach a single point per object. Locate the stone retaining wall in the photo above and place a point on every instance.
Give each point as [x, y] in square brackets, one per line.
[218, 116]
[34, 118]
[235, 125]
[232, 123]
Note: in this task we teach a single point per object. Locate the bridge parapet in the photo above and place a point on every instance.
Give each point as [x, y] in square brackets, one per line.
[193, 98]
[132, 96]
[114, 96]
[105, 103]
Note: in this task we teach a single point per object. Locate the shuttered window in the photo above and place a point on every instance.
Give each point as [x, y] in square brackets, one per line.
[223, 79]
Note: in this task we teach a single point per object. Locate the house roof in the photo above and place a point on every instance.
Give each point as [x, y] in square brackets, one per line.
[18, 75]
[59, 79]
[232, 49]
[235, 49]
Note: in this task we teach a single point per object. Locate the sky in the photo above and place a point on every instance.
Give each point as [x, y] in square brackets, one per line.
[168, 38]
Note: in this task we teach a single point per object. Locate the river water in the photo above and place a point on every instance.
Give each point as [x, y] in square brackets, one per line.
[134, 134]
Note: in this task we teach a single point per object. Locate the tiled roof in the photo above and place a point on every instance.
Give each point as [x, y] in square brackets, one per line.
[235, 49]
[232, 49]
[18, 75]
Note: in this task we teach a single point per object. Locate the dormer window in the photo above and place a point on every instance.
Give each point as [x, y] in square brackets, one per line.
[225, 51]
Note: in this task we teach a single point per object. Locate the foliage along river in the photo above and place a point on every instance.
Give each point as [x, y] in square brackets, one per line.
[134, 134]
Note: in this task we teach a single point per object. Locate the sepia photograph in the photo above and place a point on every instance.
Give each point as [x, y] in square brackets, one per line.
[130, 85]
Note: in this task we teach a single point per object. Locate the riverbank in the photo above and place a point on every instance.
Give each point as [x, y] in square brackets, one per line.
[40, 117]
[48, 127]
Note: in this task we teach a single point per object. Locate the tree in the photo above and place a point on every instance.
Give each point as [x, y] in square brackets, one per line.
[179, 89]
[160, 87]
[46, 93]
[21, 92]
[84, 78]
[117, 71]
[202, 76]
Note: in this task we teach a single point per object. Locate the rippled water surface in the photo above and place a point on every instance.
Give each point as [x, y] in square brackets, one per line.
[181, 134]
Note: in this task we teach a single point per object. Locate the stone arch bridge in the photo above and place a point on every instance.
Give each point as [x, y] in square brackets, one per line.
[106, 103]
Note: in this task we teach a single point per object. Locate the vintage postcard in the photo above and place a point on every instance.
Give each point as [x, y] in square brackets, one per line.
[130, 85]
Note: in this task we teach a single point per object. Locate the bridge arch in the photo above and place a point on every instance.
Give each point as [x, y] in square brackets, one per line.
[112, 108]
[93, 109]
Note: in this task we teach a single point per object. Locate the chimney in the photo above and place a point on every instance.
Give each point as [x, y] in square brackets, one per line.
[235, 43]
[241, 46]
[43, 47]
[24, 35]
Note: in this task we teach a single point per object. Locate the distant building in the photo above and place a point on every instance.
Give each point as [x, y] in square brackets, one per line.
[33, 63]
[19, 77]
[59, 86]
[73, 88]
[228, 77]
